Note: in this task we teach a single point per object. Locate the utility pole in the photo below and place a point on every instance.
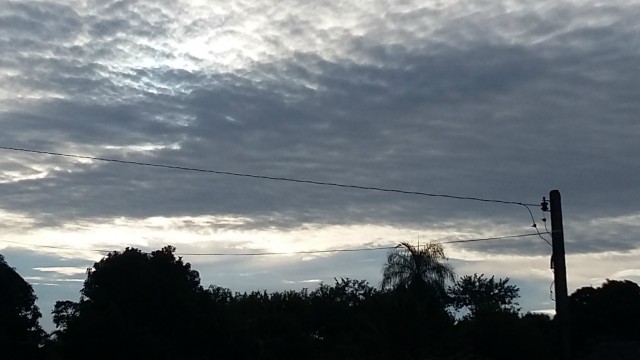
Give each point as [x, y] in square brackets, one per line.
[560, 275]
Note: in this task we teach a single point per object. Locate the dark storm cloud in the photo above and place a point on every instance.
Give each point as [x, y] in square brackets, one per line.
[95, 124]
[474, 111]
[38, 21]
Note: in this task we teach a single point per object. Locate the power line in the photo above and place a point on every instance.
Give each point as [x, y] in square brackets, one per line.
[487, 239]
[292, 252]
[266, 177]
[535, 225]
[356, 249]
[56, 247]
[540, 235]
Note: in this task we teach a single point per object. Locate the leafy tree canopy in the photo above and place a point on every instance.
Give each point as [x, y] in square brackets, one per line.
[146, 303]
[20, 332]
[417, 267]
[607, 317]
[482, 295]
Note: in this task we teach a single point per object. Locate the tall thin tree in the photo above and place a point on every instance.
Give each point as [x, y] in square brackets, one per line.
[410, 266]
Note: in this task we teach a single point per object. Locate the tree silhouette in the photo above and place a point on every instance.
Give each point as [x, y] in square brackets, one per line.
[417, 279]
[492, 313]
[409, 266]
[20, 332]
[135, 304]
[344, 317]
[606, 319]
[478, 294]
[141, 305]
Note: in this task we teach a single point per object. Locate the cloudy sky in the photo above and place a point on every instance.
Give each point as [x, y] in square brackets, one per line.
[495, 99]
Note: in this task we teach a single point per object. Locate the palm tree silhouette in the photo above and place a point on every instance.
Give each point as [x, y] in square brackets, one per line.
[417, 267]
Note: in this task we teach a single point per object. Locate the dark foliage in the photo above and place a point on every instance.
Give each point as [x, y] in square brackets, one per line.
[492, 327]
[606, 319]
[136, 305]
[479, 295]
[410, 266]
[503, 335]
[20, 332]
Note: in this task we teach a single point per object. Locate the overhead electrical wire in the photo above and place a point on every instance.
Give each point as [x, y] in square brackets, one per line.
[294, 180]
[55, 247]
[535, 225]
[486, 239]
[267, 177]
[542, 237]
[291, 252]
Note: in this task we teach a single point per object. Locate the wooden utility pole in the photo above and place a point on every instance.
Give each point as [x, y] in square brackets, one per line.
[560, 275]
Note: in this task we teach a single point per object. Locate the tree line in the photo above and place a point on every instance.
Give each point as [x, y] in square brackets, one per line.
[138, 305]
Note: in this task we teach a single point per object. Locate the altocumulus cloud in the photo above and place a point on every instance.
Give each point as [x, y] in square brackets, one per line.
[498, 99]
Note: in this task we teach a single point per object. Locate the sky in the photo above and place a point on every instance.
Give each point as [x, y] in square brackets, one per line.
[499, 99]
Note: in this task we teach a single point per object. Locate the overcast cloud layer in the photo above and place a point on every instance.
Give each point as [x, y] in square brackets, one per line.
[492, 99]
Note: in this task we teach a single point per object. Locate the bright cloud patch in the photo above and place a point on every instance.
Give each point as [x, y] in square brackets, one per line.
[67, 271]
